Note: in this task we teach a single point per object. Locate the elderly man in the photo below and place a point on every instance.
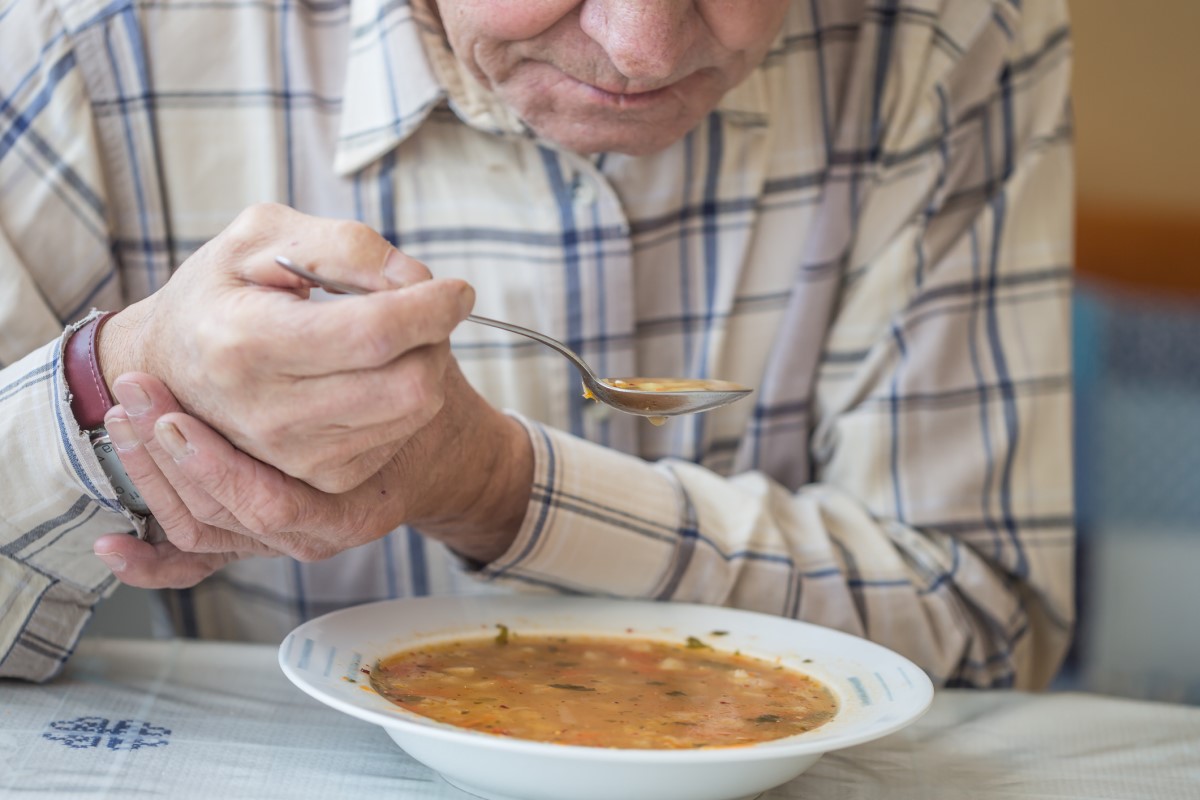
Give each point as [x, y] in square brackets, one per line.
[860, 209]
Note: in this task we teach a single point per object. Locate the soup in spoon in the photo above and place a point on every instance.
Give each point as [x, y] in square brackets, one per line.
[666, 385]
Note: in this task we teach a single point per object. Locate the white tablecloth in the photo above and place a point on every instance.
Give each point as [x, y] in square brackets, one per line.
[185, 720]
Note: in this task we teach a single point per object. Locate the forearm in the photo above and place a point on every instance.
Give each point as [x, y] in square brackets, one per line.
[603, 523]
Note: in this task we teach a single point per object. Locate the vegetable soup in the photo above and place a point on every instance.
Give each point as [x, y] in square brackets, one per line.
[604, 692]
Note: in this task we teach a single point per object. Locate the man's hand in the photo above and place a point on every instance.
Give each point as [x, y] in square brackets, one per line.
[326, 392]
[464, 478]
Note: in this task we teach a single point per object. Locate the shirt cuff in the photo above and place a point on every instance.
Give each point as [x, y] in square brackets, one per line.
[598, 522]
[76, 444]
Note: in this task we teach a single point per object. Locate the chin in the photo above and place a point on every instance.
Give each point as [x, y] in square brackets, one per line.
[591, 145]
[629, 139]
[584, 120]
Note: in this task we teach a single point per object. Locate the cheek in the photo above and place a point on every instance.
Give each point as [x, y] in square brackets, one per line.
[501, 20]
[739, 25]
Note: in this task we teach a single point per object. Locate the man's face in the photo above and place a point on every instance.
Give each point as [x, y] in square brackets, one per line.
[630, 76]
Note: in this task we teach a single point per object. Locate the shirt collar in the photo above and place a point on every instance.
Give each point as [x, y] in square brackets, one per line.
[400, 68]
[390, 87]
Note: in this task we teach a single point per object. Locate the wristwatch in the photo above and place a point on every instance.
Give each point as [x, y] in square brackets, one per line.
[90, 401]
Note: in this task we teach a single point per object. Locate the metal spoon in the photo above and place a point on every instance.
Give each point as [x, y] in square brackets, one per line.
[654, 404]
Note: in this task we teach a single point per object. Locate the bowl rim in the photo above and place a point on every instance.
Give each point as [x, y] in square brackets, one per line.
[407, 723]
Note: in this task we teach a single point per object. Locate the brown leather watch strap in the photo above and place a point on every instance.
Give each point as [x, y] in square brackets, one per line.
[90, 398]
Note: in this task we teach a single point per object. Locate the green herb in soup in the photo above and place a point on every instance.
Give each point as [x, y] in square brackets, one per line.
[605, 692]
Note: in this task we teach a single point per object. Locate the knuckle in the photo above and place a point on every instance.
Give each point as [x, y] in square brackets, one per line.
[266, 515]
[214, 517]
[308, 550]
[352, 231]
[411, 270]
[256, 215]
[336, 481]
[355, 239]
[418, 387]
[308, 470]
[249, 224]
[181, 533]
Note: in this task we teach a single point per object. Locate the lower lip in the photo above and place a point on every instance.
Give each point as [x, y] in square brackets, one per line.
[637, 100]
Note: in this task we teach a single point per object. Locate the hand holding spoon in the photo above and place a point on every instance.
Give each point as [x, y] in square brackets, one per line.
[655, 398]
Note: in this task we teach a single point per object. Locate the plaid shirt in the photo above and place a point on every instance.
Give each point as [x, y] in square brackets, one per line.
[873, 230]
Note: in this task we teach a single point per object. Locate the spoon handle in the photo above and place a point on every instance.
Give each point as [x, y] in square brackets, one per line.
[554, 344]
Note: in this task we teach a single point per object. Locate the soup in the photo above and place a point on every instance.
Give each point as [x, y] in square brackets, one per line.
[666, 385]
[673, 384]
[604, 692]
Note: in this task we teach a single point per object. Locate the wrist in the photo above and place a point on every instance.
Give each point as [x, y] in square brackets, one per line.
[90, 395]
[91, 399]
[489, 471]
[115, 345]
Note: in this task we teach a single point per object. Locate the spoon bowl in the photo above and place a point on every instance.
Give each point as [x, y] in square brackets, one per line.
[654, 398]
[703, 395]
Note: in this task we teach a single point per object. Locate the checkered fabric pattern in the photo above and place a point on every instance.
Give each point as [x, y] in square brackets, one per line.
[873, 230]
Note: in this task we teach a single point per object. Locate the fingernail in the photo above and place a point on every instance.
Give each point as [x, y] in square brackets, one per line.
[112, 560]
[466, 298]
[132, 397]
[121, 433]
[402, 270]
[172, 440]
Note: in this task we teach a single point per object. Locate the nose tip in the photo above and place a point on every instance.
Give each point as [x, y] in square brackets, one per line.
[645, 41]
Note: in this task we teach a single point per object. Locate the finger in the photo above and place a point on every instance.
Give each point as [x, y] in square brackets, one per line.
[398, 271]
[266, 230]
[345, 250]
[268, 504]
[190, 518]
[352, 252]
[377, 405]
[285, 514]
[176, 519]
[171, 495]
[365, 331]
[156, 566]
[334, 478]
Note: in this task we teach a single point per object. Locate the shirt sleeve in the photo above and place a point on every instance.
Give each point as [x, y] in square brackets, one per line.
[56, 502]
[54, 497]
[939, 518]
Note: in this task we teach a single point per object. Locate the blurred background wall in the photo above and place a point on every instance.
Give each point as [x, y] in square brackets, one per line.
[1137, 347]
[1137, 350]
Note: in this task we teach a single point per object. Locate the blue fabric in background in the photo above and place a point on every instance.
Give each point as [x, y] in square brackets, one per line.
[1137, 439]
[1137, 381]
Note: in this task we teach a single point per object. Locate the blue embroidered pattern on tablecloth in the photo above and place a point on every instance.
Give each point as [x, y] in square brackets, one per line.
[124, 734]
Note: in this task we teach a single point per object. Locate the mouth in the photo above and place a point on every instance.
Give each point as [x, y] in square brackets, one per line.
[622, 99]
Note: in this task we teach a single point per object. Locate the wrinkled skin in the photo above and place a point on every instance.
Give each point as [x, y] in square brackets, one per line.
[611, 75]
[298, 385]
